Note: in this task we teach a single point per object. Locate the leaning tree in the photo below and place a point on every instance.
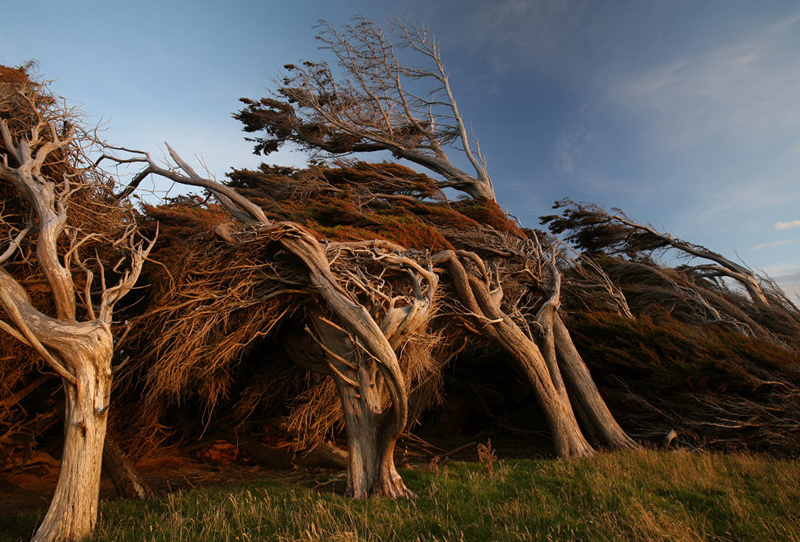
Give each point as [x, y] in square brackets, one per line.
[357, 327]
[373, 293]
[368, 106]
[71, 253]
[593, 229]
[380, 103]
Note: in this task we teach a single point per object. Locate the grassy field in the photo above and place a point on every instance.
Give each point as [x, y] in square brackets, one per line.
[625, 496]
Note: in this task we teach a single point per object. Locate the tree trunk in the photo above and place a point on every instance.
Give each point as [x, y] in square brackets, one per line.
[371, 471]
[568, 441]
[476, 296]
[325, 454]
[371, 436]
[582, 390]
[73, 511]
[123, 474]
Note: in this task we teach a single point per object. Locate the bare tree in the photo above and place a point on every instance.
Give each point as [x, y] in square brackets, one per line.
[378, 103]
[547, 357]
[65, 229]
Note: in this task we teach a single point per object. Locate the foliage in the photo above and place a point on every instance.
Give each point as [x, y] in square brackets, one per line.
[715, 386]
[590, 228]
[376, 102]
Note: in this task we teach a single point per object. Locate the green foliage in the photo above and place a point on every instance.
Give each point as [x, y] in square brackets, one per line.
[624, 496]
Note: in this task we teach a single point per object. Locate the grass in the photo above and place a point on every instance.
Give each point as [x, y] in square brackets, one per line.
[643, 495]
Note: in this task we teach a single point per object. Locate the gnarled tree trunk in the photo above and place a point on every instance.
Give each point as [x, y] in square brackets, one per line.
[82, 351]
[79, 351]
[567, 366]
[73, 511]
[371, 436]
[483, 303]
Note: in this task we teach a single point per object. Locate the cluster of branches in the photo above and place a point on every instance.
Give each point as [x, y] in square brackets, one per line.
[739, 385]
[628, 247]
[377, 103]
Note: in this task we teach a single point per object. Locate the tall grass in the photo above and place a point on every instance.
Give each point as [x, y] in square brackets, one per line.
[624, 496]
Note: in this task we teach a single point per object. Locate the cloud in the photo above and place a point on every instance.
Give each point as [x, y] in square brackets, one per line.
[569, 147]
[772, 244]
[787, 225]
[749, 87]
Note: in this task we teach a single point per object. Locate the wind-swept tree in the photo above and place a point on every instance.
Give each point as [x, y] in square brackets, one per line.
[372, 100]
[373, 104]
[593, 229]
[62, 228]
[357, 328]
[372, 109]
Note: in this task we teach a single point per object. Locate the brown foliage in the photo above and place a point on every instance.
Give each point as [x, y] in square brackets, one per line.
[714, 385]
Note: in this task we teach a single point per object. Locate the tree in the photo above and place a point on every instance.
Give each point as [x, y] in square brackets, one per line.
[594, 229]
[371, 108]
[547, 357]
[379, 103]
[63, 227]
[357, 329]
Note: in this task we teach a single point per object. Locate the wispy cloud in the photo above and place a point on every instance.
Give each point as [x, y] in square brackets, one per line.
[569, 147]
[787, 225]
[772, 244]
[750, 86]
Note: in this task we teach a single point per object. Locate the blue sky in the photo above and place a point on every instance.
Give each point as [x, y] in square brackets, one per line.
[682, 113]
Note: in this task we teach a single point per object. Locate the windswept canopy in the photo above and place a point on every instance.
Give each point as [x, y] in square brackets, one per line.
[374, 102]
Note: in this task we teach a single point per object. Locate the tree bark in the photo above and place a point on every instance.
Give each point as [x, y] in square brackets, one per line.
[476, 295]
[122, 472]
[371, 435]
[593, 410]
[82, 352]
[73, 511]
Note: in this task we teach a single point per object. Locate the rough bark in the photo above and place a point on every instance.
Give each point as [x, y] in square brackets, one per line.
[594, 413]
[371, 431]
[83, 351]
[476, 295]
[72, 514]
[122, 472]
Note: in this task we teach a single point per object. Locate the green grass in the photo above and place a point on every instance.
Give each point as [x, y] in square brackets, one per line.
[625, 496]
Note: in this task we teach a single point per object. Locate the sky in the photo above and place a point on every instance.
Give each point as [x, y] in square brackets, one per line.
[682, 113]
